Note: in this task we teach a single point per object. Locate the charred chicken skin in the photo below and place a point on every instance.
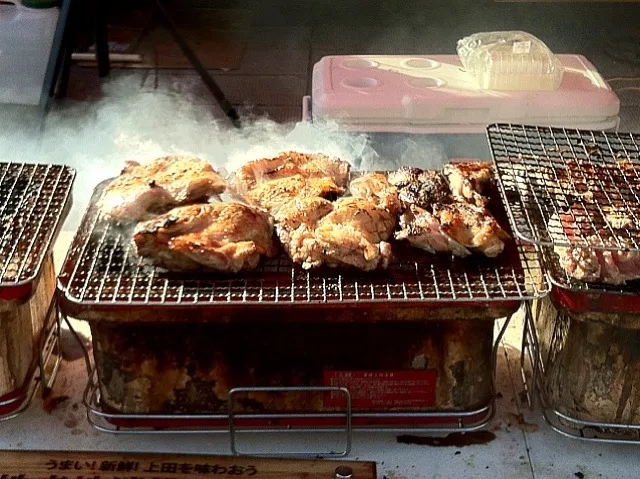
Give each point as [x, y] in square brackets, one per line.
[421, 188]
[225, 237]
[155, 187]
[445, 212]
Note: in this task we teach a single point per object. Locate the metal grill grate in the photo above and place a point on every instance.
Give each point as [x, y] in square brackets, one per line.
[569, 187]
[102, 269]
[33, 200]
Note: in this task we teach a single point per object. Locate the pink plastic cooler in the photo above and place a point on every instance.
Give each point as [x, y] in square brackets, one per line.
[434, 94]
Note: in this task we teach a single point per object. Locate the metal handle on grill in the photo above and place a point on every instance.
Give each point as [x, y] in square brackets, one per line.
[233, 429]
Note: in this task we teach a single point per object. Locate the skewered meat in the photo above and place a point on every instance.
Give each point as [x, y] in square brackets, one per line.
[270, 183]
[155, 187]
[352, 231]
[423, 231]
[419, 187]
[469, 180]
[227, 237]
[472, 227]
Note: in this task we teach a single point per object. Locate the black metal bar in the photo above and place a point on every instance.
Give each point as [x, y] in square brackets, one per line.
[61, 82]
[213, 87]
[56, 57]
[102, 40]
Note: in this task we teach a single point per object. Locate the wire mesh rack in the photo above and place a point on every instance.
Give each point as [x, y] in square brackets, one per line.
[569, 187]
[102, 270]
[33, 201]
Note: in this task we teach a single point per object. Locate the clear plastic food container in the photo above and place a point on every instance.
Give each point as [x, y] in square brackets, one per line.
[510, 61]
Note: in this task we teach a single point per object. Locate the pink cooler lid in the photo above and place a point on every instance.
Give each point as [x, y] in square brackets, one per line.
[433, 93]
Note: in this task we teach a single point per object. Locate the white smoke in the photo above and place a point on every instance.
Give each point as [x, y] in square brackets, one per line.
[97, 137]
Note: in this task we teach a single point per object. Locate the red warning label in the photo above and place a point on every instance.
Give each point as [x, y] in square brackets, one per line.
[372, 389]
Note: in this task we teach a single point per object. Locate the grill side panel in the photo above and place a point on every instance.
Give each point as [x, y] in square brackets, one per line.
[144, 370]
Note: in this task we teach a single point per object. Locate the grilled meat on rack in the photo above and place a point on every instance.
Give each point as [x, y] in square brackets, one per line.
[469, 180]
[423, 230]
[270, 183]
[274, 194]
[155, 187]
[352, 231]
[228, 237]
[591, 266]
[472, 227]
[448, 216]
[418, 187]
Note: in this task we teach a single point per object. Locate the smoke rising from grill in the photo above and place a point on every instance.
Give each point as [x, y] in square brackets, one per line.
[128, 123]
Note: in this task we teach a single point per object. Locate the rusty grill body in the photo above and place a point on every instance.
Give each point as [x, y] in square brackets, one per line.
[427, 323]
[34, 200]
[545, 172]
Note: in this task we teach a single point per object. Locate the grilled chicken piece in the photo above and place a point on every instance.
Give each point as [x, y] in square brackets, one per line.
[355, 233]
[274, 194]
[472, 227]
[469, 180]
[419, 187]
[155, 187]
[290, 164]
[613, 267]
[423, 231]
[376, 187]
[228, 237]
[352, 231]
[270, 183]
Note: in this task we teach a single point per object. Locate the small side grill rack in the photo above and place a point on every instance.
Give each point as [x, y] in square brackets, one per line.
[102, 270]
[566, 187]
[33, 199]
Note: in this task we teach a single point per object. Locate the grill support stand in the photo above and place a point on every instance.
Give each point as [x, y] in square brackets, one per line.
[531, 355]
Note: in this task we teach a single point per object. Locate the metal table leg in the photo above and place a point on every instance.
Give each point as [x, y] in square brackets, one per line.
[102, 40]
[213, 87]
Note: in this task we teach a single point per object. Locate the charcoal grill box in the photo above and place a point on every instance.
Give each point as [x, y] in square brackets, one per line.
[416, 338]
[589, 339]
[590, 363]
[429, 103]
[34, 199]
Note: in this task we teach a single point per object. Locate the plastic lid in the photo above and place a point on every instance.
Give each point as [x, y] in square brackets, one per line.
[40, 3]
[510, 61]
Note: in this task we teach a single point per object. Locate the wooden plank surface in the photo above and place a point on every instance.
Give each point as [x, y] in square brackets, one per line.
[102, 465]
